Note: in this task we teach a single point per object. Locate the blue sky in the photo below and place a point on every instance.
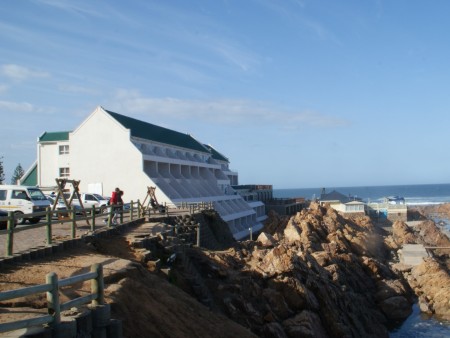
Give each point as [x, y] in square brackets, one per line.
[296, 93]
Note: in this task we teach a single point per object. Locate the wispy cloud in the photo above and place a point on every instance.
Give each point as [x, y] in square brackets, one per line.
[3, 88]
[223, 111]
[20, 73]
[70, 6]
[16, 107]
[23, 145]
[293, 13]
[236, 55]
[77, 89]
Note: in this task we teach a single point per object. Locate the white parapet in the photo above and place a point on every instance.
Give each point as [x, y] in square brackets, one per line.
[412, 254]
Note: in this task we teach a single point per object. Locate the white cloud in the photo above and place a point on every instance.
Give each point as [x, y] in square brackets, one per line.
[223, 111]
[70, 6]
[23, 145]
[77, 89]
[19, 73]
[21, 107]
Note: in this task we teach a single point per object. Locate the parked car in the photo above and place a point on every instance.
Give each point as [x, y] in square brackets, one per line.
[23, 200]
[60, 206]
[96, 200]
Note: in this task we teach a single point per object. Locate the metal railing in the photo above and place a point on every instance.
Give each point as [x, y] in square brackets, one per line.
[194, 207]
[54, 307]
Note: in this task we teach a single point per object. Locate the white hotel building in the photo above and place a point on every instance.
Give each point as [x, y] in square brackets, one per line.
[110, 150]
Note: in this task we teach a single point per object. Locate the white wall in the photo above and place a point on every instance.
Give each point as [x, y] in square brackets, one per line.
[49, 163]
[101, 152]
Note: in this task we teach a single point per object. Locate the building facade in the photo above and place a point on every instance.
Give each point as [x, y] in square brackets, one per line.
[110, 150]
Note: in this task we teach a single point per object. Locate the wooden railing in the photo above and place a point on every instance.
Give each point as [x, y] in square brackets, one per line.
[72, 216]
[54, 307]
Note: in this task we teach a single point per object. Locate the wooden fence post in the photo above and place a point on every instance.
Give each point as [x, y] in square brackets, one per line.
[48, 220]
[139, 208]
[110, 214]
[10, 234]
[53, 305]
[131, 211]
[93, 217]
[198, 234]
[97, 285]
[74, 224]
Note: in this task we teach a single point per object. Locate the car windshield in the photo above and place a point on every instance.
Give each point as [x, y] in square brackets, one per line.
[36, 195]
[99, 197]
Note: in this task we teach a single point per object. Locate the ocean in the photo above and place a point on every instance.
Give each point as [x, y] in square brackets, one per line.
[417, 325]
[420, 194]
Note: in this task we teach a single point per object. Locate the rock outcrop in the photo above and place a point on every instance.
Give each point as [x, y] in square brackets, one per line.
[323, 275]
[430, 280]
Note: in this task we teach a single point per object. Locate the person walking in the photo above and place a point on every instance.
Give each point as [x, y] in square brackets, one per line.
[112, 203]
[119, 206]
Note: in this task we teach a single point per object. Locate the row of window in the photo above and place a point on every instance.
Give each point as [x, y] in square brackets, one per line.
[64, 150]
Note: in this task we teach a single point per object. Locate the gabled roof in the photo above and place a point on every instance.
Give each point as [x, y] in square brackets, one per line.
[337, 196]
[215, 154]
[54, 136]
[155, 133]
[334, 196]
[30, 177]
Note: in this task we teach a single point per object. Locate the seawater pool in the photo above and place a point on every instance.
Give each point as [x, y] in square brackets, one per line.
[419, 325]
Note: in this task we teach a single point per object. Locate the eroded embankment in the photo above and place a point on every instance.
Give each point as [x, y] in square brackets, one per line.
[147, 304]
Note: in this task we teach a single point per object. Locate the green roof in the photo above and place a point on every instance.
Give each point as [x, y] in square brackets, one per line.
[155, 133]
[54, 136]
[31, 178]
[215, 154]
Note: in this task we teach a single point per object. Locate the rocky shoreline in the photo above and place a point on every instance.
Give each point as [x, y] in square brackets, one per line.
[316, 274]
[319, 274]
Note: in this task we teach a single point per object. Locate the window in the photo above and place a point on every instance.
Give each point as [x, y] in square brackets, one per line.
[64, 172]
[3, 195]
[64, 149]
[19, 195]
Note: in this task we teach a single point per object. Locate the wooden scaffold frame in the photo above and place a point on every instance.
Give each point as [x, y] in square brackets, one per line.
[152, 203]
[60, 186]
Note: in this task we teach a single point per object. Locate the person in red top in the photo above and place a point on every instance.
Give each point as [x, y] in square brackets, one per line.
[114, 195]
[112, 202]
[117, 194]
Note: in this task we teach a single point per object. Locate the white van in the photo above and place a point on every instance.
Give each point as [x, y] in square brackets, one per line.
[23, 200]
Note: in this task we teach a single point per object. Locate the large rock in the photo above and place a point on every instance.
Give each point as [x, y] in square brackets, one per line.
[402, 234]
[266, 239]
[396, 308]
[292, 232]
[306, 324]
[432, 280]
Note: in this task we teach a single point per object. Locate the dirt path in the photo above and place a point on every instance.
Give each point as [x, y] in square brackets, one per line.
[147, 304]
